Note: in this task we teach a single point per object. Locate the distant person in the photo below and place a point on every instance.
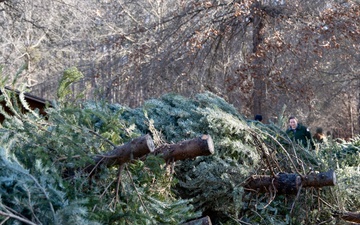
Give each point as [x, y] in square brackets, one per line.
[258, 117]
[319, 136]
[299, 133]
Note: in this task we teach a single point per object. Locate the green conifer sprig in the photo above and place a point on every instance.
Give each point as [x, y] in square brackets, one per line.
[70, 76]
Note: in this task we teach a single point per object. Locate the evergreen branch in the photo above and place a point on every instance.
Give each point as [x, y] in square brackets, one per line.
[70, 76]
[137, 192]
[105, 139]
[8, 102]
[45, 193]
[31, 208]
[16, 217]
[299, 161]
[81, 129]
[286, 153]
[22, 171]
[4, 113]
[264, 151]
[25, 104]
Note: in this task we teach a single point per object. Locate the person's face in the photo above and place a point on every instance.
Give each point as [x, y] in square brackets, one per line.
[293, 123]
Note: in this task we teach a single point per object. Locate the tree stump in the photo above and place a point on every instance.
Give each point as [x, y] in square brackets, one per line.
[188, 149]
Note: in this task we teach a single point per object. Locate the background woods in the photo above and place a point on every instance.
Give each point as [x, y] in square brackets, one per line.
[150, 118]
[259, 55]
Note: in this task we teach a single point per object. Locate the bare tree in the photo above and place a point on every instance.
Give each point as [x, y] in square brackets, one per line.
[258, 55]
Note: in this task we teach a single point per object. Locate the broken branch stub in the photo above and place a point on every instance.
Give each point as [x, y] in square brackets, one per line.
[188, 149]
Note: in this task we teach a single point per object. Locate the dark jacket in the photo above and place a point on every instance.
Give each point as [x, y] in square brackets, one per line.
[301, 135]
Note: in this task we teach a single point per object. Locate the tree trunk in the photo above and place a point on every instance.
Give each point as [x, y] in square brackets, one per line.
[259, 85]
[319, 179]
[143, 145]
[188, 149]
[284, 183]
[124, 153]
[202, 221]
[358, 108]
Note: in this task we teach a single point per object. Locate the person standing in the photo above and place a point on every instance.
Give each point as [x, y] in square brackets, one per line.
[319, 136]
[299, 133]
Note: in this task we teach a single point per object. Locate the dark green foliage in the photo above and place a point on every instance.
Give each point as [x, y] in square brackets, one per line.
[42, 176]
[38, 197]
[213, 182]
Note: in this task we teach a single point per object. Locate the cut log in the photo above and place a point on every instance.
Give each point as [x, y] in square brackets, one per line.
[144, 145]
[188, 149]
[121, 154]
[284, 183]
[351, 217]
[319, 179]
[202, 221]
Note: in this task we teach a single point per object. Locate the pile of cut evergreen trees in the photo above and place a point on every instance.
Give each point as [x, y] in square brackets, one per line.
[44, 161]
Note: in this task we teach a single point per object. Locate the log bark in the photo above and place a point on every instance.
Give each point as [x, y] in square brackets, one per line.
[188, 149]
[202, 221]
[121, 154]
[319, 179]
[351, 217]
[284, 183]
[139, 147]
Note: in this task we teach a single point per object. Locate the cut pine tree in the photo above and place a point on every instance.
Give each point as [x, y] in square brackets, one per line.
[140, 147]
[289, 183]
